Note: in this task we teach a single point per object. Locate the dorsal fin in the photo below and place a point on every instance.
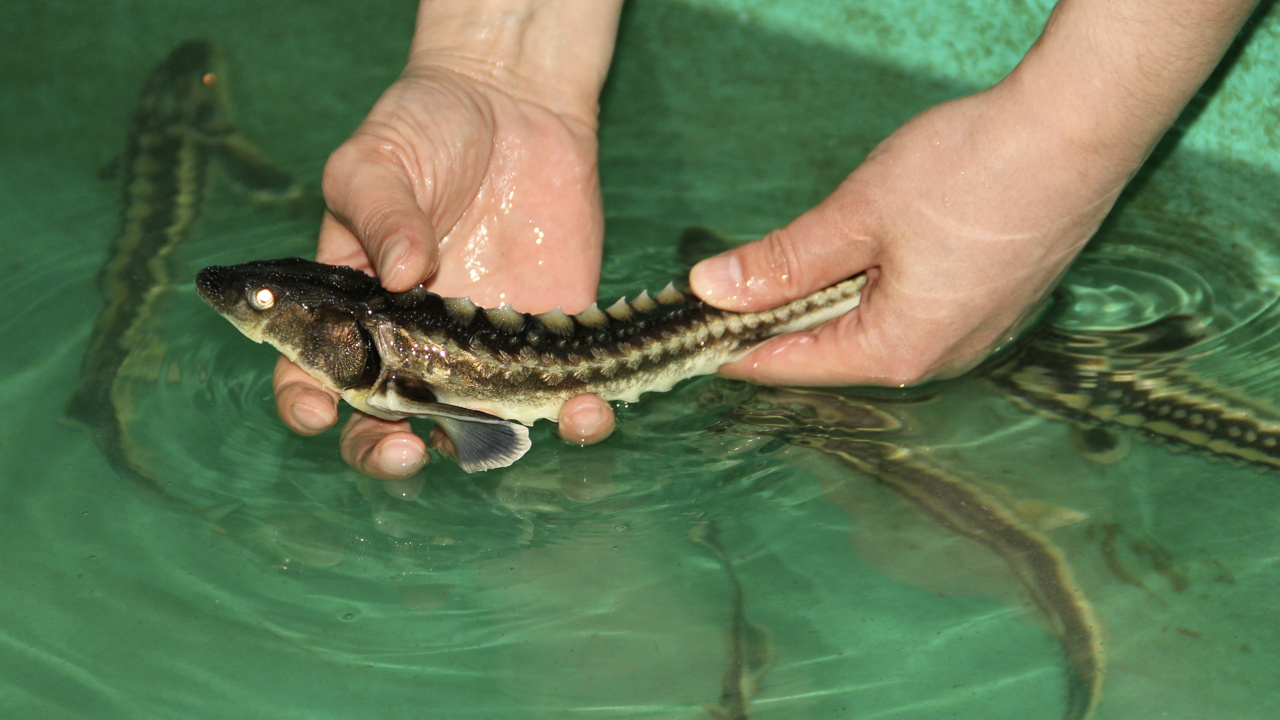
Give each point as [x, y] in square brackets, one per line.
[593, 317]
[505, 318]
[556, 322]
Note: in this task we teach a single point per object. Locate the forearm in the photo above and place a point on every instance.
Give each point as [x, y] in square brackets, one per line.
[556, 52]
[1113, 75]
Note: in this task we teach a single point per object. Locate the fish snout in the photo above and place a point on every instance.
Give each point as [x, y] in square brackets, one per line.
[217, 286]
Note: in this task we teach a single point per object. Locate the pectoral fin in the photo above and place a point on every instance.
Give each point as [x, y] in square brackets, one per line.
[483, 441]
[250, 170]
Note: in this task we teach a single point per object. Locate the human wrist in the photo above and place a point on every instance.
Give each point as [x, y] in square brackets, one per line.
[553, 52]
[1111, 76]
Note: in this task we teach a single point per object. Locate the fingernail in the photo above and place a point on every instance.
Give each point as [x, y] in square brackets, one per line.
[314, 412]
[584, 423]
[393, 257]
[400, 457]
[717, 278]
[588, 418]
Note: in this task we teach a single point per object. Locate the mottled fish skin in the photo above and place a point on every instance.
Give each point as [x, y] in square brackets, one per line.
[390, 352]
[856, 434]
[524, 367]
[1125, 378]
[747, 643]
[179, 125]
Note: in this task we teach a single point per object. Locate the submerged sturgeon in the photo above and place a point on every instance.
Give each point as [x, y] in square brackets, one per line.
[748, 644]
[1095, 379]
[396, 355]
[1100, 378]
[180, 124]
[857, 435]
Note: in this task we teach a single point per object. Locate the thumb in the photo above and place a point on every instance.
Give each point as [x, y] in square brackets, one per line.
[369, 191]
[820, 248]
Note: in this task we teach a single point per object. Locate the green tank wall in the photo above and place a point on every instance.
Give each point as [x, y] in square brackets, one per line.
[976, 42]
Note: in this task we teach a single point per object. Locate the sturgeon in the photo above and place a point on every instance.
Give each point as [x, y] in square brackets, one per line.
[484, 374]
[858, 435]
[180, 125]
[1124, 378]
[748, 644]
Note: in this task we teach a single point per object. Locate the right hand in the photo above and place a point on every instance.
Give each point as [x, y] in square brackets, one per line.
[962, 225]
[966, 216]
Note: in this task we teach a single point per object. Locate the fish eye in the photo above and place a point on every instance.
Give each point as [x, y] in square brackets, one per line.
[262, 298]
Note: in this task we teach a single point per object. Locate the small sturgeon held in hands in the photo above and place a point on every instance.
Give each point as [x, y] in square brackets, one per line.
[397, 355]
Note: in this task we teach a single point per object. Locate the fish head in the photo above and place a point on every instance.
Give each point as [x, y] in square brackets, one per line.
[187, 89]
[312, 313]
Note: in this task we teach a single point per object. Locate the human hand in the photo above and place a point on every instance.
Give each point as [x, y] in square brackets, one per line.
[966, 216]
[960, 229]
[475, 180]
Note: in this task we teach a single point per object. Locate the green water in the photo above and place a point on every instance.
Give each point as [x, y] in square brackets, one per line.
[261, 578]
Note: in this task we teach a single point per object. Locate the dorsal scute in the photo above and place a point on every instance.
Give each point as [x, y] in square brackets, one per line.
[593, 317]
[460, 310]
[410, 298]
[556, 322]
[505, 318]
[620, 310]
[643, 303]
[669, 295]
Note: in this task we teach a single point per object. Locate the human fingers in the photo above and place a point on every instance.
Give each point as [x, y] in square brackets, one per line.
[381, 448]
[585, 420]
[817, 249]
[879, 343]
[923, 312]
[304, 405]
[955, 266]
[369, 189]
[337, 245]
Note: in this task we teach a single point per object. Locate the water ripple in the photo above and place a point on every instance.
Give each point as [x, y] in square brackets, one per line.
[1152, 270]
